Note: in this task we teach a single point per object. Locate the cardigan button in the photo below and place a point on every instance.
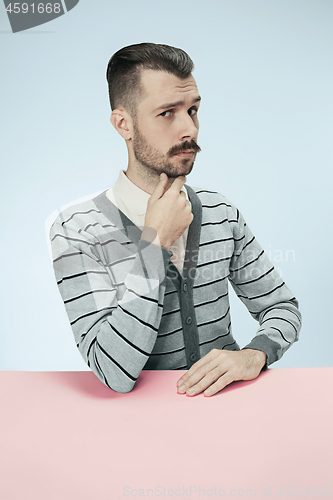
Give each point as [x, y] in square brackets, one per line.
[185, 287]
[193, 357]
[188, 320]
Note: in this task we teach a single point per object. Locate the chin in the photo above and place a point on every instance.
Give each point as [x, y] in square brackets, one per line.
[185, 168]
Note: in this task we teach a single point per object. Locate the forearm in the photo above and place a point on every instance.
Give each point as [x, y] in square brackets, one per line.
[114, 310]
[279, 329]
[118, 346]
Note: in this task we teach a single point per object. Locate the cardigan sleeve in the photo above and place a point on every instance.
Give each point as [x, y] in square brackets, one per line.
[115, 324]
[264, 293]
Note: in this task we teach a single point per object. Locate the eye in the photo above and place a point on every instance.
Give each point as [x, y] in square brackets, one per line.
[167, 114]
[193, 111]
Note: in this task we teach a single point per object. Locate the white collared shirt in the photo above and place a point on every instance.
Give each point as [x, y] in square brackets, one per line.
[132, 201]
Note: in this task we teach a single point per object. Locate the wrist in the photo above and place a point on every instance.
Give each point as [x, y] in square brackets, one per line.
[150, 234]
[260, 357]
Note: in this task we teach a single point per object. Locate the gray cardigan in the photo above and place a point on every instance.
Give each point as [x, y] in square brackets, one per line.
[130, 309]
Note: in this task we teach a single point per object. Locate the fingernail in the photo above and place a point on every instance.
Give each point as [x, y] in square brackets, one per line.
[190, 391]
[180, 382]
[182, 388]
[161, 177]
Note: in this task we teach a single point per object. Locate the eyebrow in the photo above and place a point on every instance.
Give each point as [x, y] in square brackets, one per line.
[175, 104]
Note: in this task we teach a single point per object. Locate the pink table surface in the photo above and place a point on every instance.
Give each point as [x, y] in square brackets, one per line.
[66, 436]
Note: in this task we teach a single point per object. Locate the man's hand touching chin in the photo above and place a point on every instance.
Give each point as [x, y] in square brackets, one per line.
[219, 368]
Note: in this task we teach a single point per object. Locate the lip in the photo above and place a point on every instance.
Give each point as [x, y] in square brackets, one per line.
[185, 154]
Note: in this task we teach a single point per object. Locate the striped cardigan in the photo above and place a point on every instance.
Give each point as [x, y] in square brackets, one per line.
[130, 309]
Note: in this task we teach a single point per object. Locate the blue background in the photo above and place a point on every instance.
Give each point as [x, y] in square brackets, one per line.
[264, 71]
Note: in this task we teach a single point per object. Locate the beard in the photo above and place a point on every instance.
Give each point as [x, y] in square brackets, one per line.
[156, 162]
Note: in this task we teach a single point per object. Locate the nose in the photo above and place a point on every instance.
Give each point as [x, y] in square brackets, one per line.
[188, 127]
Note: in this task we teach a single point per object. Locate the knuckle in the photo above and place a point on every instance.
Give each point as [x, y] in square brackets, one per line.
[212, 375]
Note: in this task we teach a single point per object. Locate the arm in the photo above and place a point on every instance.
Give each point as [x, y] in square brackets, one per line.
[264, 293]
[114, 321]
[114, 299]
[269, 301]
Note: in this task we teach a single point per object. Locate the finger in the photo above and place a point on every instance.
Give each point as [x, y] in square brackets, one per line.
[212, 383]
[209, 379]
[160, 187]
[205, 359]
[220, 384]
[178, 183]
[188, 204]
[210, 371]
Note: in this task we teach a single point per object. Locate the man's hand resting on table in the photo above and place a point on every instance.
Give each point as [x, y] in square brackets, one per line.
[219, 368]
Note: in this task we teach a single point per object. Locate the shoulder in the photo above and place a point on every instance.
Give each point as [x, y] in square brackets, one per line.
[76, 216]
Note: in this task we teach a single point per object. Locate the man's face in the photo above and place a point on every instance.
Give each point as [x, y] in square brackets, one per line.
[166, 125]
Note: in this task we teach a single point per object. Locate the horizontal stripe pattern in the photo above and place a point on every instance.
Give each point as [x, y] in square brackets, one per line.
[125, 308]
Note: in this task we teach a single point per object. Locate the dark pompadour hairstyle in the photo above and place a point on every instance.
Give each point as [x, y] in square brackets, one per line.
[124, 68]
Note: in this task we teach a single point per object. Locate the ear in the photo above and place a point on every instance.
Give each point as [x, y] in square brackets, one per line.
[122, 122]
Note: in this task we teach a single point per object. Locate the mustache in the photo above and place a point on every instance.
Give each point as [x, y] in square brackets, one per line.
[185, 146]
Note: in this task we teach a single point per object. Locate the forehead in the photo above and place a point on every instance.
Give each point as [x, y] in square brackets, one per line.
[162, 87]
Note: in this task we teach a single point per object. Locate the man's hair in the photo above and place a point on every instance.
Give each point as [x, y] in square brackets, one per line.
[124, 71]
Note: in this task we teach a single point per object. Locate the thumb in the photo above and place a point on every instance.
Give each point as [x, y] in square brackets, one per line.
[160, 187]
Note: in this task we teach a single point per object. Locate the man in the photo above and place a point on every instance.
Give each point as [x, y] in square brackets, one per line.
[157, 297]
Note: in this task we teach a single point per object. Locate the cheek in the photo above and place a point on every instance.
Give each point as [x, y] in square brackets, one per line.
[161, 136]
[196, 122]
